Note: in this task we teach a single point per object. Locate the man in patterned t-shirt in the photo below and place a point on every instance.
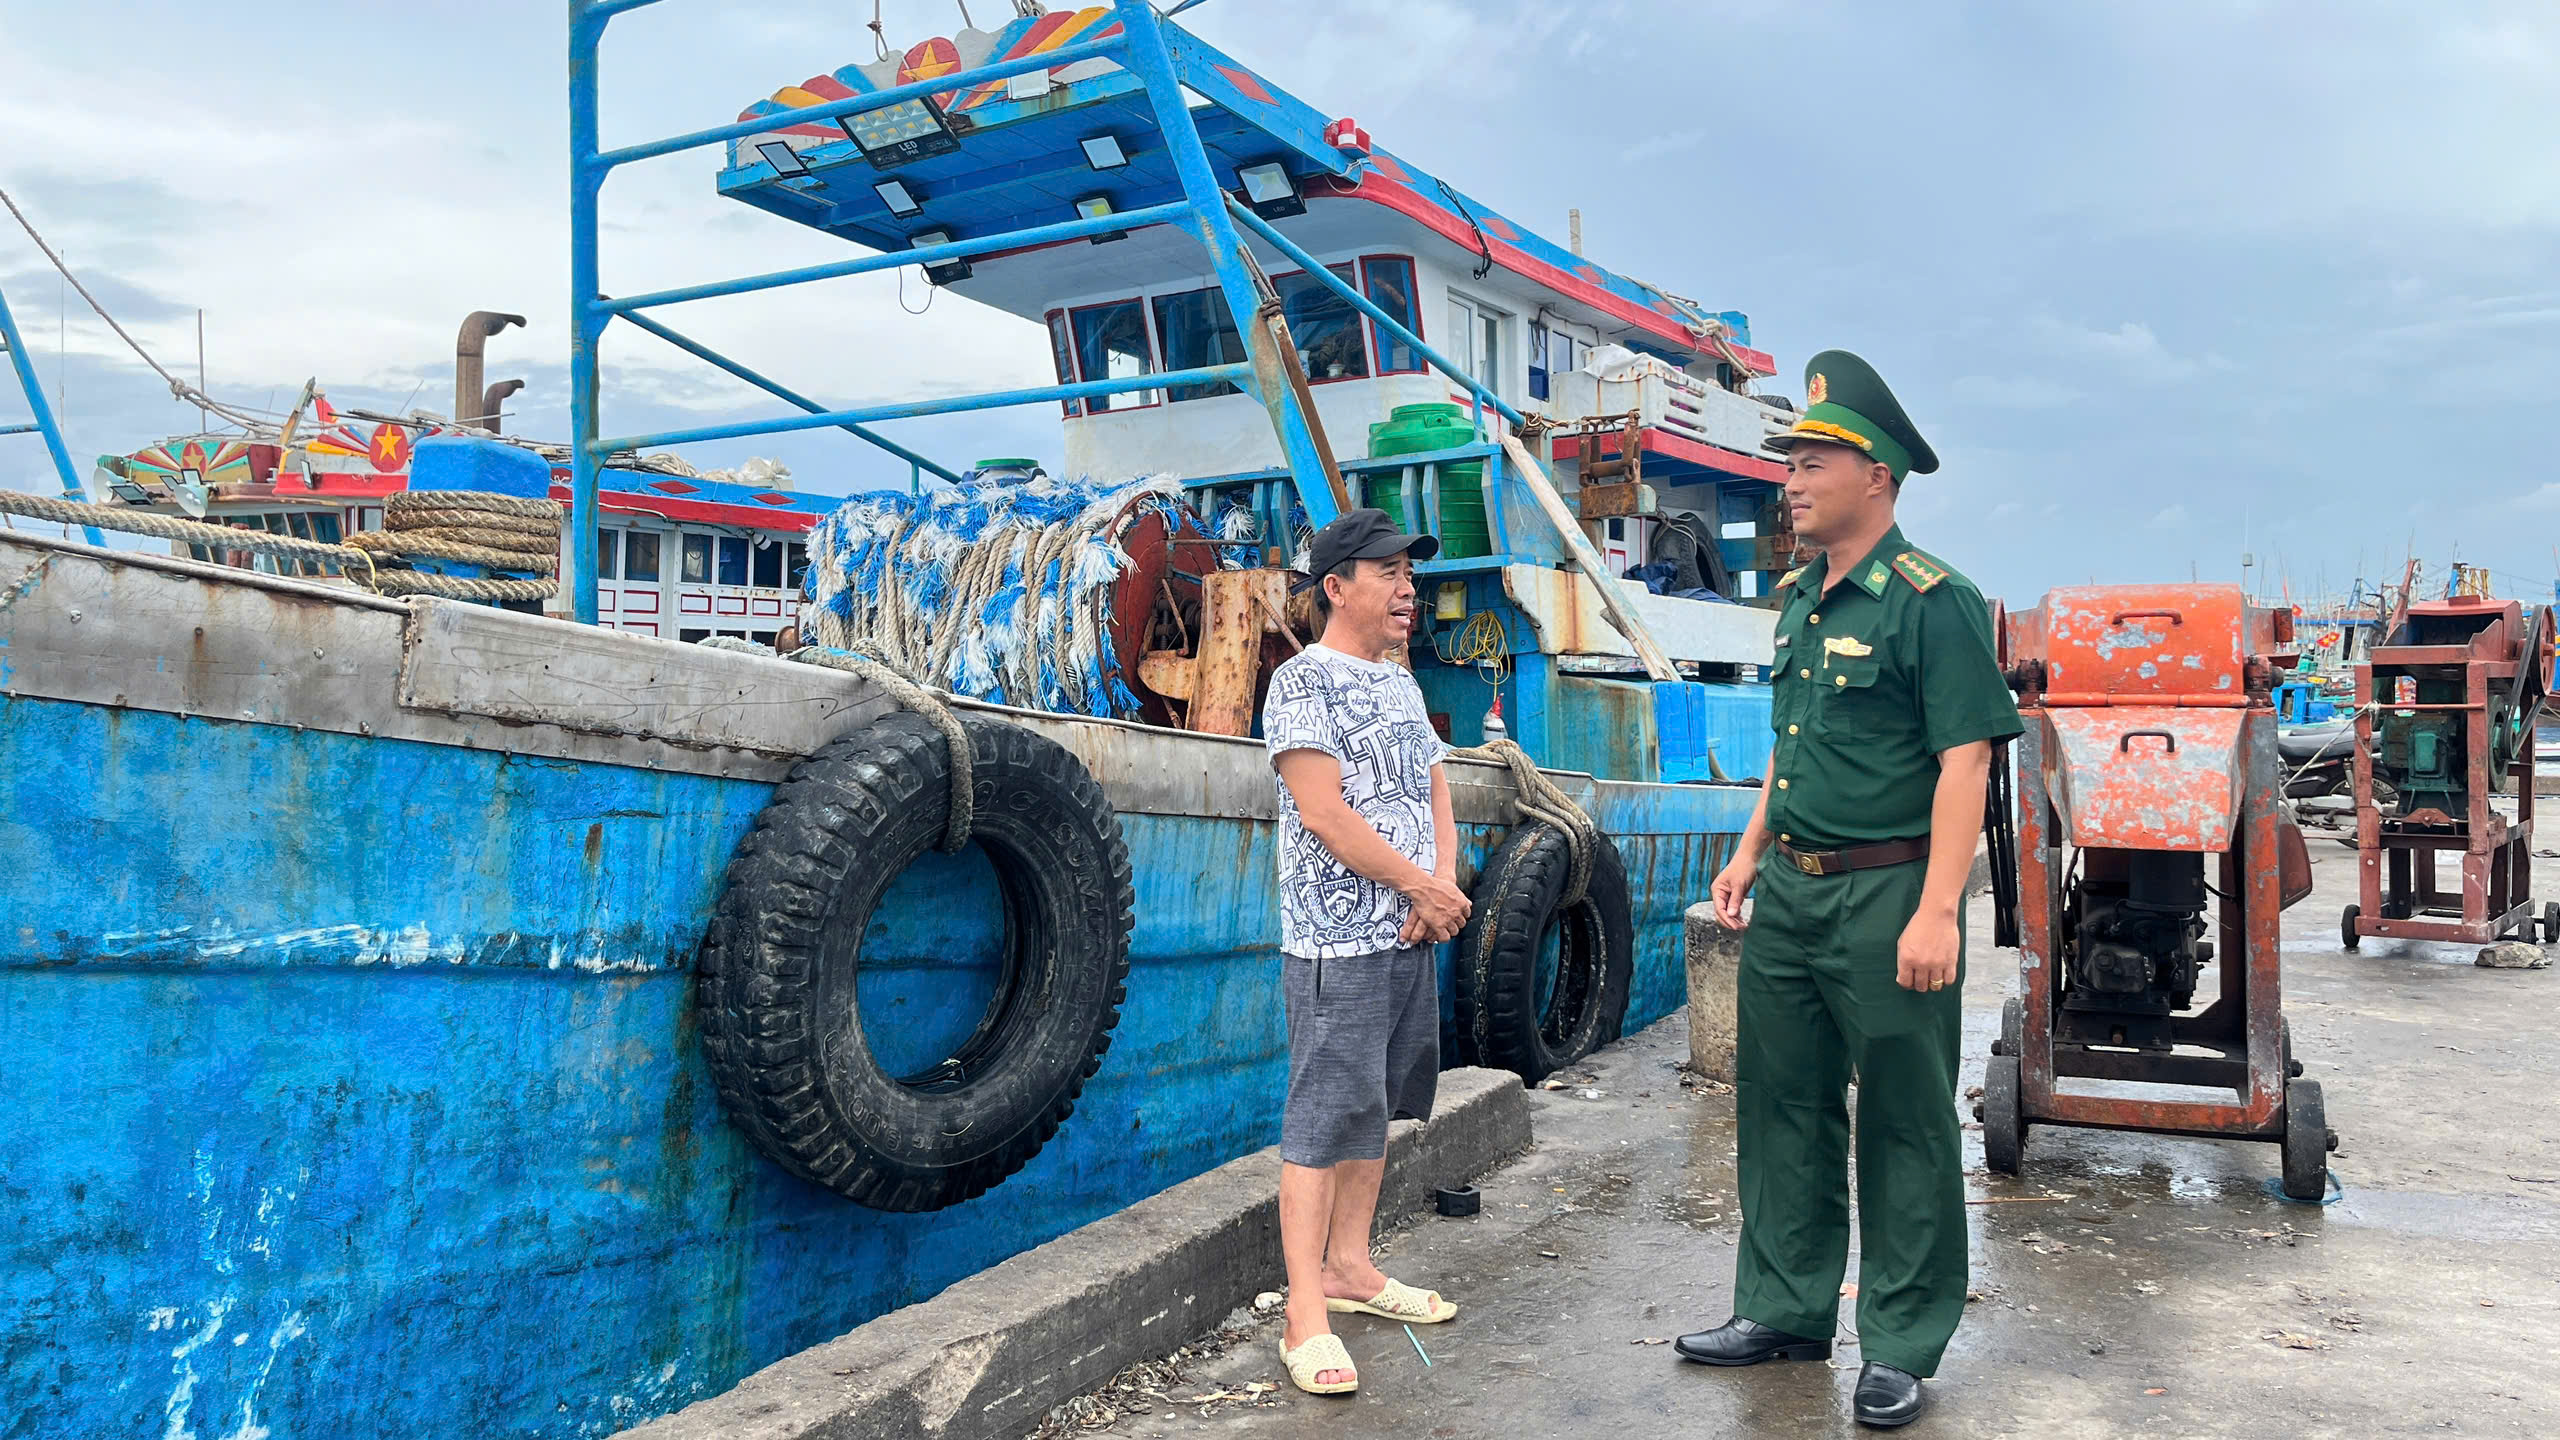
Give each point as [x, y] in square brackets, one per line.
[1368, 886]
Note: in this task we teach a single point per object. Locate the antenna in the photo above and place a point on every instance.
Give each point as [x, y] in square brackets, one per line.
[1573, 227]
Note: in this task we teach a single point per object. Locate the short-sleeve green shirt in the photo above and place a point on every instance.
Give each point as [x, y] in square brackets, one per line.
[1872, 683]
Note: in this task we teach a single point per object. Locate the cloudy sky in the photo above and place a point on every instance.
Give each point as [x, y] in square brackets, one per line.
[2148, 274]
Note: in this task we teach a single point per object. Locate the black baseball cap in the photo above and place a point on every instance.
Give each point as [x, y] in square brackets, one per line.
[1364, 535]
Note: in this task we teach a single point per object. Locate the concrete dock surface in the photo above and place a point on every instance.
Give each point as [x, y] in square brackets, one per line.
[2126, 1285]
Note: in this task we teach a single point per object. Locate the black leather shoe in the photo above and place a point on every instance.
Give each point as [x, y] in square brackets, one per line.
[1888, 1398]
[1748, 1342]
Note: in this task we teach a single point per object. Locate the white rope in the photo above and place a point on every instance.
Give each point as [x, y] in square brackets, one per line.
[1539, 798]
[916, 698]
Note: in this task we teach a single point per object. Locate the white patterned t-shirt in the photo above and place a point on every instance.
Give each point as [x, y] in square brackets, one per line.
[1369, 716]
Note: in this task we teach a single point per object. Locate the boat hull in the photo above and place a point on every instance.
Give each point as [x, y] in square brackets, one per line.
[357, 1087]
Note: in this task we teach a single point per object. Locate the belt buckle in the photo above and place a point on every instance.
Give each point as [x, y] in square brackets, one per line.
[1809, 864]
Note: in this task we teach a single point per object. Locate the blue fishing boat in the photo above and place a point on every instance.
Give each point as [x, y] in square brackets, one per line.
[434, 1015]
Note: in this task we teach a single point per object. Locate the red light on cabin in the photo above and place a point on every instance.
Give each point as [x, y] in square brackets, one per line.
[1346, 134]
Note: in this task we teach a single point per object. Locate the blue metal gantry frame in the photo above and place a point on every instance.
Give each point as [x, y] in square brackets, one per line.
[1206, 213]
[44, 424]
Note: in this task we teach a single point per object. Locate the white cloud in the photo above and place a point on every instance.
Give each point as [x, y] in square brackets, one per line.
[2172, 518]
[2130, 350]
[2005, 510]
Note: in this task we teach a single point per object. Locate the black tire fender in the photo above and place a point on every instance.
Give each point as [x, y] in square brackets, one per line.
[776, 984]
[1516, 900]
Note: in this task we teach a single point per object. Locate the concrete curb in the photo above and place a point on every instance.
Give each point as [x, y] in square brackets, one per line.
[987, 1358]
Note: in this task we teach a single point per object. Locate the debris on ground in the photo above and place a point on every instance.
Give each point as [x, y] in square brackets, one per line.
[2513, 955]
[1164, 1385]
[2296, 1340]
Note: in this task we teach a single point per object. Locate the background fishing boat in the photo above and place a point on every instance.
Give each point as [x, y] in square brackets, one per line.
[389, 1078]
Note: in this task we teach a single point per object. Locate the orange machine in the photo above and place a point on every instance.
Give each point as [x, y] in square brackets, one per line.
[2149, 817]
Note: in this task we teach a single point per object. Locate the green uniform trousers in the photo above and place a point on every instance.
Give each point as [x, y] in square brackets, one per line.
[1819, 1004]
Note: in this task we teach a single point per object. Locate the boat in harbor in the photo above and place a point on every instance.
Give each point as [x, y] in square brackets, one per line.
[526, 1022]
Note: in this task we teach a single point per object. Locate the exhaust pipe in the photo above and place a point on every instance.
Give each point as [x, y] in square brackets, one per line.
[469, 350]
[491, 402]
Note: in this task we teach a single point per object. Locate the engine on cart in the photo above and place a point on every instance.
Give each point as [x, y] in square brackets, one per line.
[2135, 928]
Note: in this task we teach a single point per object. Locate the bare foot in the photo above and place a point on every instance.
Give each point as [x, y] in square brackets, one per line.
[1298, 1331]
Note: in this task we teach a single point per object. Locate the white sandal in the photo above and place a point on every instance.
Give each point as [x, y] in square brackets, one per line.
[1398, 1301]
[1319, 1354]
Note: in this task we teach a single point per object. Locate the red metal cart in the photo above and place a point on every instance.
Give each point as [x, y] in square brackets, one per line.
[2148, 795]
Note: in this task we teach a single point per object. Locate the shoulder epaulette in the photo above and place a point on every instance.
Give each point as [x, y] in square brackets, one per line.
[1924, 573]
[1790, 577]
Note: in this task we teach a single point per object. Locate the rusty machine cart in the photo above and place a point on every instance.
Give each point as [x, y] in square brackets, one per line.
[2150, 817]
[2451, 695]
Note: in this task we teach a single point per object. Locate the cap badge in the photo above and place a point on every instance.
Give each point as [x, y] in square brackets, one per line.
[1817, 390]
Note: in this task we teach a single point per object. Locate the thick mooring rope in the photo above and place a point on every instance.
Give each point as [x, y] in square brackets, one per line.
[914, 697]
[358, 561]
[1539, 798]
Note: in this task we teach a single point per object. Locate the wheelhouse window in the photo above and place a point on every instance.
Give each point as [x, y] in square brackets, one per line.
[1475, 341]
[1332, 343]
[1111, 344]
[1552, 353]
[1064, 354]
[697, 560]
[608, 554]
[768, 574]
[733, 560]
[640, 556]
[1389, 286]
[795, 565]
[1198, 330]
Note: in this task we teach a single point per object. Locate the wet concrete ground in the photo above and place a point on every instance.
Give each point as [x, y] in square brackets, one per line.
[2128, 1285]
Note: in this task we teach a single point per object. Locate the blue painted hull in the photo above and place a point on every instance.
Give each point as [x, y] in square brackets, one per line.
[355, 1086]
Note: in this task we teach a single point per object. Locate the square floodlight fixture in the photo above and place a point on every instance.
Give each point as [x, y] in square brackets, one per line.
[901, 201]
[785, 161]
[192, 477]
[900, 134]
[130, 493]
[942, 272]
[1270, 191]
[1103, 152]
[1095, 207]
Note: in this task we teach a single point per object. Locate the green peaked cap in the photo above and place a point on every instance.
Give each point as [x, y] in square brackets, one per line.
[1848, 403]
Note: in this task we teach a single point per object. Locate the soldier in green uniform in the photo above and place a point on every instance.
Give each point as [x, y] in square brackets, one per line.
[1886, 699]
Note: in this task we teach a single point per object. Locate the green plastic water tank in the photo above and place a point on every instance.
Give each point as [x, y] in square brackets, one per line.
[1420, 430]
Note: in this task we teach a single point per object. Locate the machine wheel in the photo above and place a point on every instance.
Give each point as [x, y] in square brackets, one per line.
[2306, 1142]
[2551, 922]
[2013, 1028]
[2347, 936]
[2004, 1121]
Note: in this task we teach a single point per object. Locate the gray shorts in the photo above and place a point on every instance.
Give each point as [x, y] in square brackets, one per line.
[1364, 1048]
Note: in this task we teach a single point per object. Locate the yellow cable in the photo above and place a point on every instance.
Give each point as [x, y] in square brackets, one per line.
[1479, 643]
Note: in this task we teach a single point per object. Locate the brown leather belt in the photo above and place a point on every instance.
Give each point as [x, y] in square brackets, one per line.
[1856, 857]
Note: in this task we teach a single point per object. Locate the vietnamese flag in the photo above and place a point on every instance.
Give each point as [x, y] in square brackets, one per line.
[323, 411]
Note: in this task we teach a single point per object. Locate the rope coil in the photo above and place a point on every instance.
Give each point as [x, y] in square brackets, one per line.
[358, 560]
